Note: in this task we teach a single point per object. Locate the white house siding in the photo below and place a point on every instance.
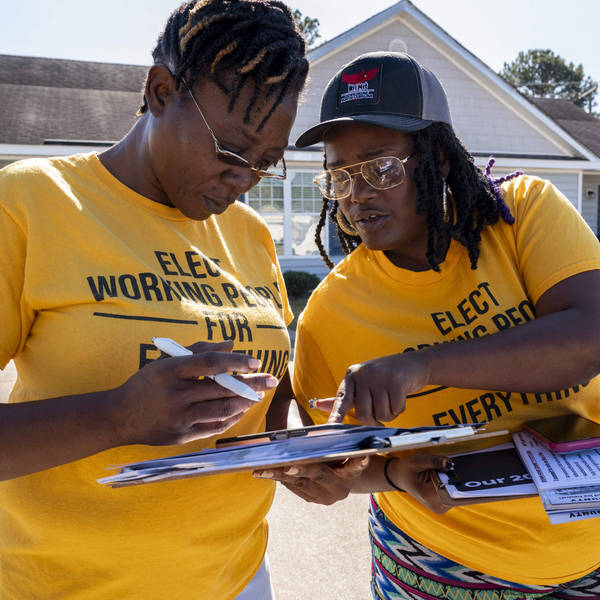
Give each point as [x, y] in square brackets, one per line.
[566, 182]
[589, 209]
[482, 121]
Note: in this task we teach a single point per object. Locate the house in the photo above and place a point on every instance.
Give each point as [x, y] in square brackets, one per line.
[53, 106]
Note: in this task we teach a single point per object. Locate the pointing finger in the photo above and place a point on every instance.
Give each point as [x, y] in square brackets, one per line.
[324, 404]
[343, 400]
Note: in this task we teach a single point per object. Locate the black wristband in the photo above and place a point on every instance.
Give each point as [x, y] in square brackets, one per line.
[387, 477]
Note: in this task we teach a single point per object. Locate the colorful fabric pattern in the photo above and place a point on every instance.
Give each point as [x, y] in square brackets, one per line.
[404, 569]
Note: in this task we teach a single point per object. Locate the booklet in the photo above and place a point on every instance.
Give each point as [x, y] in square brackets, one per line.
[487, 475]
[274, 449]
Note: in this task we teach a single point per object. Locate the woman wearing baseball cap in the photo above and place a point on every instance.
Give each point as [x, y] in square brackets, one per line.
[461, 299]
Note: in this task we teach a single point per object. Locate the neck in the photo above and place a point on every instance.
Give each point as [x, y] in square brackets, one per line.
[413, 258]
[129, 161]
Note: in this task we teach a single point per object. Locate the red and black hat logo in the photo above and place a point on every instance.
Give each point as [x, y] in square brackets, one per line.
[360, 86]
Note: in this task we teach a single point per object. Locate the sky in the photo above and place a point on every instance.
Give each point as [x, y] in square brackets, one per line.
[125, 31]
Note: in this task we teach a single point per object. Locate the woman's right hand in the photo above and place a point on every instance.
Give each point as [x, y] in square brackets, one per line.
[165, 403]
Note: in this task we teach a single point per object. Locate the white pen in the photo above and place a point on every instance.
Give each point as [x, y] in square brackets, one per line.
[172, 348]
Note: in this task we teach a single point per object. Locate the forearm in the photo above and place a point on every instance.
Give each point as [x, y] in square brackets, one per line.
[47, 433]
[277, 415]
[373, 478]
[553, 352]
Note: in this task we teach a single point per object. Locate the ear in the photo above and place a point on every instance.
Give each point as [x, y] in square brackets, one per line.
[445, 163]
[160, 89]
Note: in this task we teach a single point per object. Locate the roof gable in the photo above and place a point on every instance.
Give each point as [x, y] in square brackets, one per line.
[489, 115]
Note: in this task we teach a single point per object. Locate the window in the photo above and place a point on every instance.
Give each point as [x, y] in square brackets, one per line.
[291, 209]
[306, 206]
[266, 197]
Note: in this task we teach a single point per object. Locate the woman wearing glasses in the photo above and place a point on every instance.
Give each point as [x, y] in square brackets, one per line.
[102, 252]
[462, 299]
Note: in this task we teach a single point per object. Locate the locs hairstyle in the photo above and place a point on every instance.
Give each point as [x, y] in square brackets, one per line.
[475, 198]
[233, 42]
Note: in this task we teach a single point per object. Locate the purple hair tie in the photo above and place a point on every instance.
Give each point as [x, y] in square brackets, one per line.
[495, 185]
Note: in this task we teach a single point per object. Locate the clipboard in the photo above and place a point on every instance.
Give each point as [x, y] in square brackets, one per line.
[281, 448]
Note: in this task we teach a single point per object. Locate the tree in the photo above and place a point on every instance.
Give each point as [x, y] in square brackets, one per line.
[309, 27]
[544, 74]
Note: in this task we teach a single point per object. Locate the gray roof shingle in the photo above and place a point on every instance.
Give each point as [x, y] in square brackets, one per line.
[46, 98]
[583, 126]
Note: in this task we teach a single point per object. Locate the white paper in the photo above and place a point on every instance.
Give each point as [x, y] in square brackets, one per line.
[569, 516]
[550, 470]
[571, 498]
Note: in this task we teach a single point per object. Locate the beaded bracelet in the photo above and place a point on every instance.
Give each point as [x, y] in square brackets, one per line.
[387, 477]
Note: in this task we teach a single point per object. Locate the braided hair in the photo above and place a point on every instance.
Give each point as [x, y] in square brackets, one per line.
[476, 198]
[233, 41]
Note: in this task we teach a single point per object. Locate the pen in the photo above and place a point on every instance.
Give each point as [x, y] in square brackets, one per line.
[172, 348]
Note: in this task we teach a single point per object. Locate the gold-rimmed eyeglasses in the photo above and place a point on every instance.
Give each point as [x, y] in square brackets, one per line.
[275, 171]
[382, 173]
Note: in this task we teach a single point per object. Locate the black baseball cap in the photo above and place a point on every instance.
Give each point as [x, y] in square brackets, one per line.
[389, 89]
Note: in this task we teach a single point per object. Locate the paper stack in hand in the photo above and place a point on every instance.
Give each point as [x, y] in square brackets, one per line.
[568, 483]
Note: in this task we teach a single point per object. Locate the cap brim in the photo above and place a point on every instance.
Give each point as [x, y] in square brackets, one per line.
[317, 133]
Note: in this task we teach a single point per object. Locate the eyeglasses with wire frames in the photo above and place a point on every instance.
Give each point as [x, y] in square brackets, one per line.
[382, 173]
[231, 158]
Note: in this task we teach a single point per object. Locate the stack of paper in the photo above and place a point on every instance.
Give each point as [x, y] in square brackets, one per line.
[568, 484]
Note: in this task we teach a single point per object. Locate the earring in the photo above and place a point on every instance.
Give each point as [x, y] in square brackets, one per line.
[344, 225]
[445, 211]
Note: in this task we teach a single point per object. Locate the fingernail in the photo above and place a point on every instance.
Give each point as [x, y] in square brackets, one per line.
[272, 382]
[292, 471]
[254, 363]
[263, 474]
[312, 403]
[365, 461]
[260, 394]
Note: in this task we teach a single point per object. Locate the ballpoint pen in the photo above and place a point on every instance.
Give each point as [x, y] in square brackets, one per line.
[172, 348]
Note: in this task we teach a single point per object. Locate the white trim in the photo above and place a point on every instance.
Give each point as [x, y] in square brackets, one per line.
[515, 162]
[545, 165]
[303, 155]
[17, 151]
[287, 217]
[367, 26]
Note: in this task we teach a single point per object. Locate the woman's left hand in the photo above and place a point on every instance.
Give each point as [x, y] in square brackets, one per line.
[320, 483]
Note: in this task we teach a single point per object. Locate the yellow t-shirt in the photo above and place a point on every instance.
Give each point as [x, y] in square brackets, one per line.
[367, 307]
[90, 272]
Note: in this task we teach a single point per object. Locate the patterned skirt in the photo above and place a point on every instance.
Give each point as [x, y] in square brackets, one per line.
[404, 569]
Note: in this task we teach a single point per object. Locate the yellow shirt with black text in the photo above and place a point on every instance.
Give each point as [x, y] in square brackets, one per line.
[367, 307]
[90, 271]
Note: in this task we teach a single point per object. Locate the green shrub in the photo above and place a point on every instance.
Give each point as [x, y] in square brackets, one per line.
[299, 283]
